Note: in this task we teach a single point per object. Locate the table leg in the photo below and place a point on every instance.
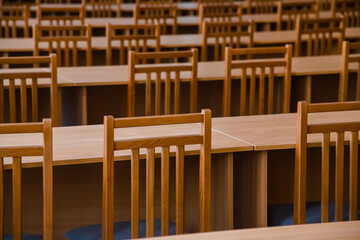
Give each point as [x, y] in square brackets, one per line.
[222, 191]
[250, 194]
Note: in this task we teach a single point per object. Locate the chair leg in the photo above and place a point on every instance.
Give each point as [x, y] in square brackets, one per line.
[308, 89]
[84, 105]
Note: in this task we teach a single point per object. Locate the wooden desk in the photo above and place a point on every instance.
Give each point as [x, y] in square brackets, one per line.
[171, 41]
[242, 165]
[329, 231]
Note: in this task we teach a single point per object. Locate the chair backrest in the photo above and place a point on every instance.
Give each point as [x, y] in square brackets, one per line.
[163, 73]
[350, 9]
[223, 34]
[63, 15]
[38, 2]
[23, 74]
[154, 2]
[219, 13]
[320, 36]
[215, 1]
[262, 69]
[324, 5]
[104, 8]
[165, 15]
[111, 145]
[63, 39]
[16, 153]
[10, 16]
[346, 59]
[303, 128]
[131, 37]
[261, 6]
[288, 12]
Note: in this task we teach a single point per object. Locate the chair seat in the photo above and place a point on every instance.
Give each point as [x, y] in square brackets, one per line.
[122, 230]
[279, 215]
[24, 237]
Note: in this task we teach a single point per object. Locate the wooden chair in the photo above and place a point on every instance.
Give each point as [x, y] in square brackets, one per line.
[10, 16]
[347, 58]
[303, 129]
[111, 145]
[131, 37]
[167, 72]
[261, 6]
[324, 5]
[215, 1]
[152, 2]
[165, 15]
[15, 153]
[38, 2]
[24, 74]
[219, 13]
[350, 9]
[320, 36]
[288, 12]
[263, 69]
[60, 15]
[104, 8]
[63, 39]
[222, 34]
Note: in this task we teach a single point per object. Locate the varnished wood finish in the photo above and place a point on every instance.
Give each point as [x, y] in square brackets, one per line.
[17, 153]
[65, 15]
[131, 37]
[24, 74]
[66, 38]
[10, 16]
[105, 8]
[347, 58]
[164, 73]
[221, 12]
[111, 145]
[262, 69]
[261, 6]
[349, 9]
[321, 35]
[165, 15]
[330, 231]
[225, 34]
[302, 130]
[289, 11]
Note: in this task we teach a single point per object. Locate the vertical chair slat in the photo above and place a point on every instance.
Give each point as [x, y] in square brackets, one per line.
[2, 111]
[150, 192]
[165, 190]
[262, 91]
[148, 95]
[158, 94]
[339, 176]
[243, 92]
[12, 100]
[179, 189]
[108, 179]
[270, 91]
[1, 198]
[300, 164]
[67, 54]
[135, 213]
[167, 93]
[17, 198]
[48, 181]
[23, 100]
[354, 143]
[177, 92]
[325, 178]
[34, 100]
[252, 91]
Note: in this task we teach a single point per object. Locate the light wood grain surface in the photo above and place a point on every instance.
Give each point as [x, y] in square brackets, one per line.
[277, 131]
[169, 41]
[329, 231]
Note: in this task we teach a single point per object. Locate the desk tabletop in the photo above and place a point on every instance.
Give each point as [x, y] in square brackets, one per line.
[170, 41]
[278, 131]
[331, 231]
[207, 71]
[84, 144]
